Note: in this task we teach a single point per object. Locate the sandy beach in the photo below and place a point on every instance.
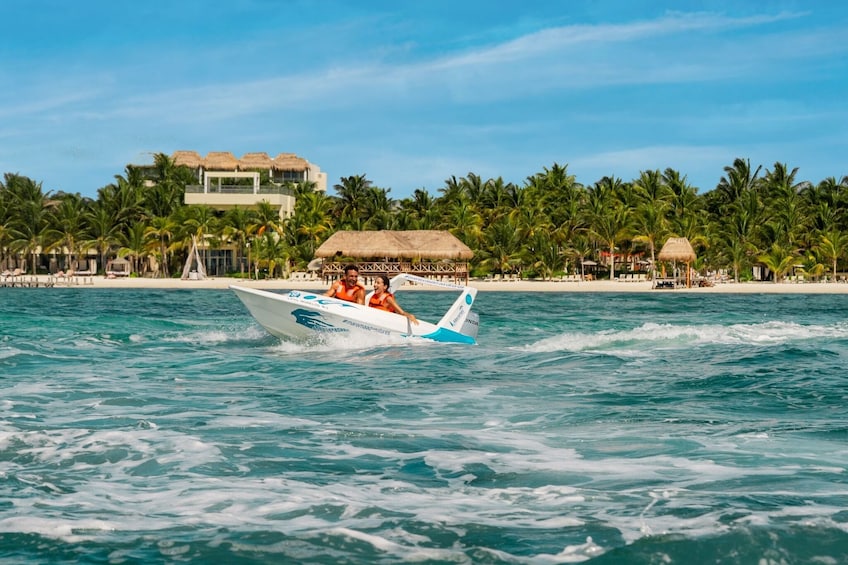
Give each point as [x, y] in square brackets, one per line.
[483, 286]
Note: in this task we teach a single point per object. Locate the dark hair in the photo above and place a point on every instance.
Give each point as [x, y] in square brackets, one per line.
[351, 268]
[385, 280]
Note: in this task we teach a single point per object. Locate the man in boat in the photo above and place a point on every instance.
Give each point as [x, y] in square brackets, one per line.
[348, 288]
[382, 299]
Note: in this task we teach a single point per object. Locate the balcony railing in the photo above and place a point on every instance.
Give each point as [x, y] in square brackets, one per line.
[239, 189]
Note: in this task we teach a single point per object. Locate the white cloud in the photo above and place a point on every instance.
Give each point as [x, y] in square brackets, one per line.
[563, 58]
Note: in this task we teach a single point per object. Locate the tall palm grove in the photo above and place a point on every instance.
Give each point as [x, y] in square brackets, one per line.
[547, 226]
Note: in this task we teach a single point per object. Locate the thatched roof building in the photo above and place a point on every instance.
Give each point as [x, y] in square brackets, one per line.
[190, 159]
[412, 245]
[226, 161]
[220, 161]
[258, 161]
[677, 249]
[290, 162]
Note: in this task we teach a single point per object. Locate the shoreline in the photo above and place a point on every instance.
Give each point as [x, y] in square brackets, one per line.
[483, 286]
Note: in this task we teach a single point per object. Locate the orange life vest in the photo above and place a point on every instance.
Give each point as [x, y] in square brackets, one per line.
[343, 292]
[381, 302]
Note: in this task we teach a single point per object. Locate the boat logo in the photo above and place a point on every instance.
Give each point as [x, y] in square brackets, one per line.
[322, 300]
[313, 321]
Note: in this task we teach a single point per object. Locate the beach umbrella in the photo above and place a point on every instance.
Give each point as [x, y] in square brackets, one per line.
[315, 264]
[678, 249]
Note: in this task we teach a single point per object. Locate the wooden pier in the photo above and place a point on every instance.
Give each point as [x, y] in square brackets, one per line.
[24, 281]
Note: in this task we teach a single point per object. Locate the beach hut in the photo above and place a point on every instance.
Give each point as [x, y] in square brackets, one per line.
[412, 244]
[428, 253]
[678, 249]
[118, 268]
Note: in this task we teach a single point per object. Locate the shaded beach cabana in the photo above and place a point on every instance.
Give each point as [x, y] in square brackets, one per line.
[427, 253]
[118, 267]
[678, 249]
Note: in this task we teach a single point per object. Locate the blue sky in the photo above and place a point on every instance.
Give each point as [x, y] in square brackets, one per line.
[412, 93]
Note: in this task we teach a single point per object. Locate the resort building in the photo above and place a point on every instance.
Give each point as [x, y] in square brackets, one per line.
[226, 182]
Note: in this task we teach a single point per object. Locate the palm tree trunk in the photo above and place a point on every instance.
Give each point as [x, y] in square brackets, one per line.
[612, 261]
[653, 262]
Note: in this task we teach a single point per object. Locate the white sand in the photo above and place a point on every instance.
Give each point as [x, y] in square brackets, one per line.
[522, 286]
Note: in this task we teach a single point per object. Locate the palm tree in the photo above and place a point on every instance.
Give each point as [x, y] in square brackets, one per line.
[267, 218]
[609, 218]
[783, 196]
[69, 227]
[378, 208]
[739, 178]
[200, 221]
[547, 254]
[738, 252]
[237, 227]
[271, 250]
[501, 247]
[464, 221]
[134, 244]
[353, 192]
[309, 226]
[104, 231]
[168, 192]
[650, 221]
[779, 259]
[28, 228]
[161, 231]
[832, 246]
[124, 199]
[580, 248]
[650, 226]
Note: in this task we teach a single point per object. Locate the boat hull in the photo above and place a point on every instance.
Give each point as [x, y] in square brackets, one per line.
[298, 315]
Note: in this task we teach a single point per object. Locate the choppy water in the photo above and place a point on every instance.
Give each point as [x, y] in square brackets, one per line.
[166, 427]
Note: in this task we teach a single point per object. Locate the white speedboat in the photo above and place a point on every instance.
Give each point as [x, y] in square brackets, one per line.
[299, 315]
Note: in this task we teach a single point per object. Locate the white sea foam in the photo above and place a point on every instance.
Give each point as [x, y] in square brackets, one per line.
[639, 340]
[411, 453]
[341, 344]
[8, 352]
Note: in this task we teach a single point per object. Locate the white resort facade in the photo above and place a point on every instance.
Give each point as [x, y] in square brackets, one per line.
[225, 181]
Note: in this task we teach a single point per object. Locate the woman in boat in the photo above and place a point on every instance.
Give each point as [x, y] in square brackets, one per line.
[382, 299]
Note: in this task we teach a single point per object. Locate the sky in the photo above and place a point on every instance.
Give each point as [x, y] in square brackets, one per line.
[410, 94]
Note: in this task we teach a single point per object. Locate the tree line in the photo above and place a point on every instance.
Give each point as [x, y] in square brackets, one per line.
[548, 225]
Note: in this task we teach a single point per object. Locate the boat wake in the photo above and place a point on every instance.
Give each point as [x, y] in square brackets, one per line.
[651, 336]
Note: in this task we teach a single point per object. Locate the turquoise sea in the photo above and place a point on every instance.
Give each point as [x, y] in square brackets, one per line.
[165, 426]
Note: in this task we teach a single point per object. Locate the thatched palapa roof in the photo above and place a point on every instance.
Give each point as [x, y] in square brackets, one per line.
[677, 249]
[191, 159]
[413, 244]
[220, 161]
[226, 161]
[255, 161]
[290, 162]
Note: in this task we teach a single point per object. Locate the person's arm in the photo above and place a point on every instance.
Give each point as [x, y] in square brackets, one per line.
[398, 310]
[360, 295]
[331, 291]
